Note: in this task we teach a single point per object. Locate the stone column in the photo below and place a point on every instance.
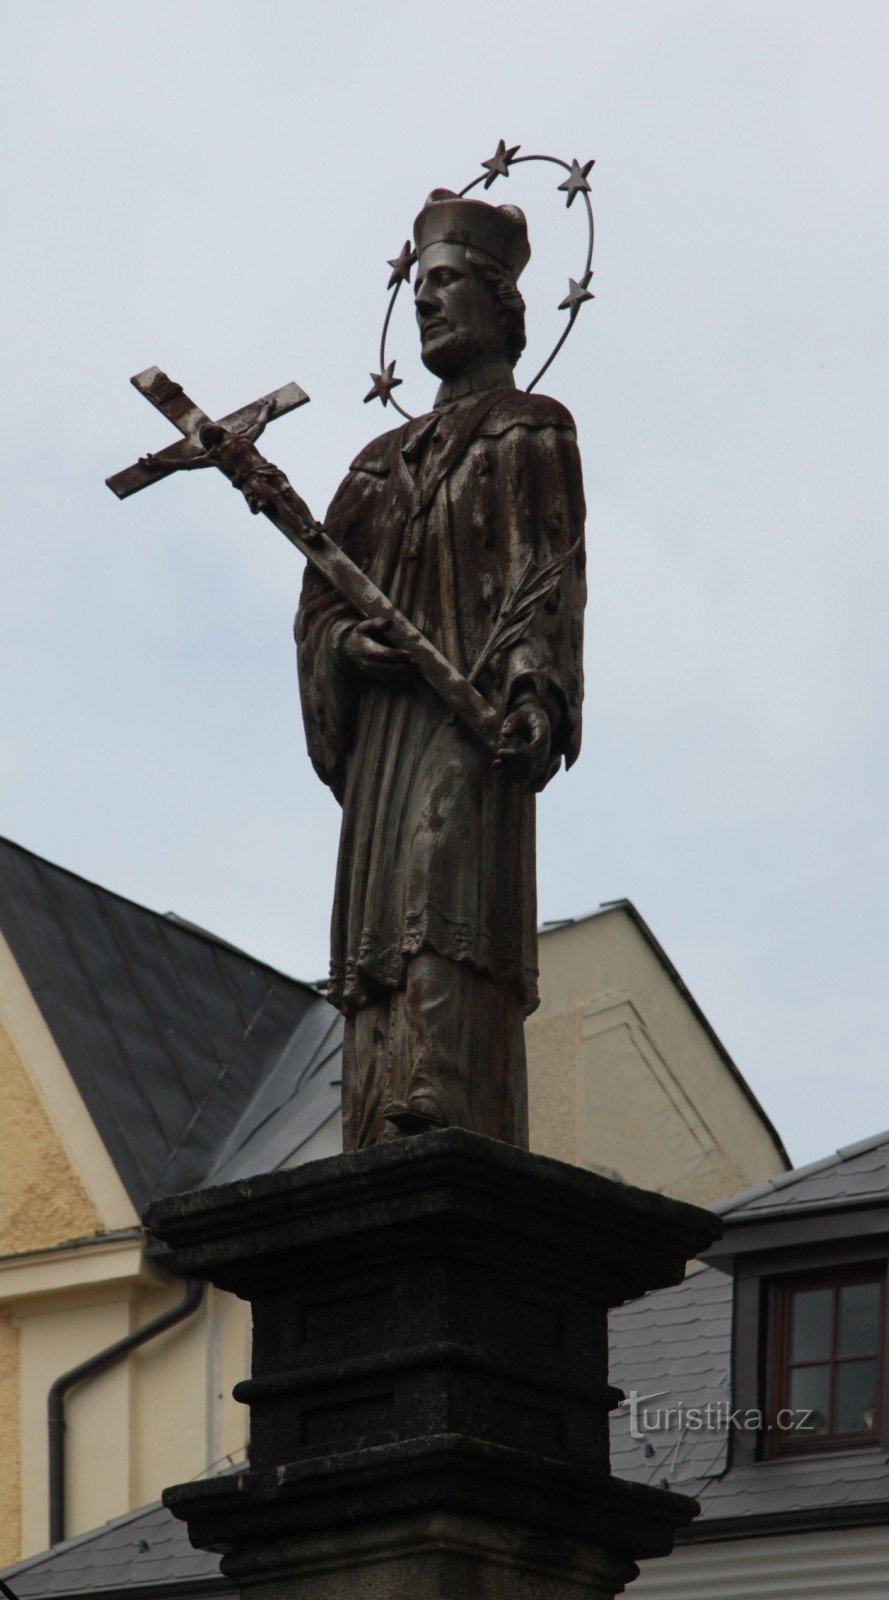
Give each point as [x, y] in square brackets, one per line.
[429, 1393]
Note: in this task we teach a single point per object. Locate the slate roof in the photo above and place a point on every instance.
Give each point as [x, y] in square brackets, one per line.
[672, 1347]
[857, 1175]
[677, 1342]
[675, 1346]
[294, 1098]
[194, 1060]
[144, 1550]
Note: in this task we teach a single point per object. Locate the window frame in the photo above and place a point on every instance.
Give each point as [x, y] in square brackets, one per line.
[849, 1240]
[780, 1442]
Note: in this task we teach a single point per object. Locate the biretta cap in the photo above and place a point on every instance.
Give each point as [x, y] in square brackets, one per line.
[501, 232]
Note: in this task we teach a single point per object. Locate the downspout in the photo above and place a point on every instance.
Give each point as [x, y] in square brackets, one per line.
[55, 1404]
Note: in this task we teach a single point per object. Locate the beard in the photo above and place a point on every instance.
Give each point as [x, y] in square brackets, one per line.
[452, 351]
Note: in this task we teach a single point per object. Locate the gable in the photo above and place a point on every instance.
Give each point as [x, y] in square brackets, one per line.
[625, 1073]
[164, 1030]
[635, 1098]
[42, 1199]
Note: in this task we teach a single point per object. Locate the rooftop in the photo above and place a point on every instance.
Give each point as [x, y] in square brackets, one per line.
[674, 1346]
[195, 1061]
[147, 1550]
[853, 1176]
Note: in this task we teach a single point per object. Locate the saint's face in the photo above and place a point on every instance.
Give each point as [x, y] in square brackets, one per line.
[457, 313]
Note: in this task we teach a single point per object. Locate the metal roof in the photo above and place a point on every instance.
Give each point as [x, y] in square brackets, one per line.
[191, 1057]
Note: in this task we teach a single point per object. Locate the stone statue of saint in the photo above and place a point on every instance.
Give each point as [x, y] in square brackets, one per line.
[434, 949]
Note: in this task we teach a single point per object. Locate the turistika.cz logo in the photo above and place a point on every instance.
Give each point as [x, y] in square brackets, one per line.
[715, 1417]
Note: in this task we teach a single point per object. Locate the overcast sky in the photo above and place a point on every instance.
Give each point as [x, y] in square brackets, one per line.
[216, 188]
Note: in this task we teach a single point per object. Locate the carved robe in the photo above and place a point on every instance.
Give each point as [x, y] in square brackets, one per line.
[437, 850]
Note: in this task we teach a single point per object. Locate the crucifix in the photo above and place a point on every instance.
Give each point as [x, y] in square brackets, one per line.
[439, 656]
[439, 637]
[230, 445]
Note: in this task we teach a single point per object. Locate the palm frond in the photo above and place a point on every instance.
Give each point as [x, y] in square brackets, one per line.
[533, 586]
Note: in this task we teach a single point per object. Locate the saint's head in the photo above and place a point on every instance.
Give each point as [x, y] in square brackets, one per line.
[469, 308]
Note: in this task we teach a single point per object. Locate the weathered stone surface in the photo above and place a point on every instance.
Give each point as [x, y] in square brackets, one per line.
[430, 1342]
[444, 1555]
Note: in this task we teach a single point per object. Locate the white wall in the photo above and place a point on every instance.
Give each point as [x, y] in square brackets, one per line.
[838, 1565]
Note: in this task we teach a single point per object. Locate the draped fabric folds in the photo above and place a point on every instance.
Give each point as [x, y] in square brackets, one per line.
[437, 850]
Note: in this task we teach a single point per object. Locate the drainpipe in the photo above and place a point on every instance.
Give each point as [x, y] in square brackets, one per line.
[55, 1404]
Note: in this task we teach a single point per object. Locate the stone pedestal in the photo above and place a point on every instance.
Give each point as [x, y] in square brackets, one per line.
[429, 1393]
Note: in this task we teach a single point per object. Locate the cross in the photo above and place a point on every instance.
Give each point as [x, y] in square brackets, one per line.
[188, 418]
[229, 445]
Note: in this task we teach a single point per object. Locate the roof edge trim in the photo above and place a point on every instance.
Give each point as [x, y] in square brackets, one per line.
[679, 982]
[808, 1519]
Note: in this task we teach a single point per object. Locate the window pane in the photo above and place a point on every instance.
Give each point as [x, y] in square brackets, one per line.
[809, 1390]
[810, 1324]
[858, 1319]
[856, 1396]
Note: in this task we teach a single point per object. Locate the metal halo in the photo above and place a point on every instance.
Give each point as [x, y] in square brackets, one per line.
[497, 165]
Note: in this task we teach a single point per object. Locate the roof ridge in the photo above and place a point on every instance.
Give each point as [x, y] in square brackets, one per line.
[168, 918]
[785, 1180]
[847, 1152]
[308, 1083]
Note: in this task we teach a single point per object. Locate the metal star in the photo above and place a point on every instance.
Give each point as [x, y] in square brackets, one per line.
[401, 266]
[576, 181]
[383, 384]
[498, 165]
[577, 293]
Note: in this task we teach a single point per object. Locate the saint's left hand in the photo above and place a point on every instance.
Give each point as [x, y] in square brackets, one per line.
[524, 748]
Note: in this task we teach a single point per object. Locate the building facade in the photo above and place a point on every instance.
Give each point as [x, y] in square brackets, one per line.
[759, 1385]
[140, 1056]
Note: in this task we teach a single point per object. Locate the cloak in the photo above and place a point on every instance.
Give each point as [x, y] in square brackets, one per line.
[437, 849]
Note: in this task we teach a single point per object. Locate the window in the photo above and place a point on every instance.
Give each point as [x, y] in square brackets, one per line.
[827, 1339]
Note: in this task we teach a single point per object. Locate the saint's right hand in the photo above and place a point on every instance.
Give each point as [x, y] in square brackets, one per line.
[364, 649]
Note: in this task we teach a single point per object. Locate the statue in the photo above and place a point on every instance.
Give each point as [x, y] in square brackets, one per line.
[439, 649]
[439, 640]
[434, 959]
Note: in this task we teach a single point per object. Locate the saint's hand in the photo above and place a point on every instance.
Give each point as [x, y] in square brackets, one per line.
[525, 743]
[363, 649]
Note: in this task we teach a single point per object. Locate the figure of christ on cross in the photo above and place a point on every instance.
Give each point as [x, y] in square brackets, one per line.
[433, 939]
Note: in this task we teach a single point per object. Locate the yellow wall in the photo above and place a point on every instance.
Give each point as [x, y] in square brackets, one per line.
[625, 1079]
[42, 1200]
[184, 1420]
[74, 1278]
[63, 1215]
[56, 1335]
[10, 1448]
[164, 1415]
[552, 1039]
